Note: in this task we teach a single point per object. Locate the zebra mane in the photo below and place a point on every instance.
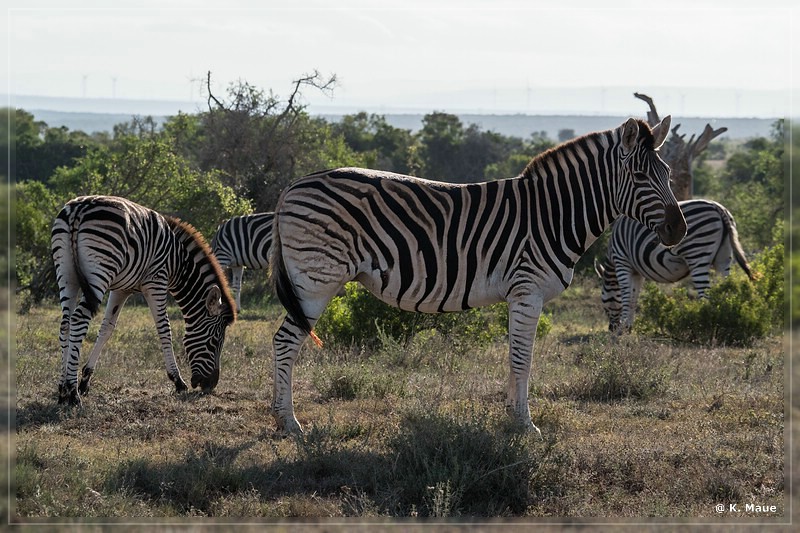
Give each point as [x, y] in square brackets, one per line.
[183, 227]
[645, 138]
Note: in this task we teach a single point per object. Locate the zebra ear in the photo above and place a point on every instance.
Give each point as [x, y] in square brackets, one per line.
[630, 132]
[599, 268]
[660, 131]
[214, 301]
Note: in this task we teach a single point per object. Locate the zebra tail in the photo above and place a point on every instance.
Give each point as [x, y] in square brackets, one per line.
[284, 287]
[91, 299]
[738, 251]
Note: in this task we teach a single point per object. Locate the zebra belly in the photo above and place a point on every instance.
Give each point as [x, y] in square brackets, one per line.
[677, 271]
[418, 297]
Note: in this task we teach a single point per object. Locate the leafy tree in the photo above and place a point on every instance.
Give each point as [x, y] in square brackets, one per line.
[382, 145]
[259, 143]
[39, 149]
[456, 154]
[441, 137]
[35, 208]
[515, 162]
[752, 187]
[143, 165]
[565, 134]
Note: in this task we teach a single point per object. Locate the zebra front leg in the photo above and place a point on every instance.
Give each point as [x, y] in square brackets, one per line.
[286, 343]
[116, 300]
[156, 297]
[523, 317]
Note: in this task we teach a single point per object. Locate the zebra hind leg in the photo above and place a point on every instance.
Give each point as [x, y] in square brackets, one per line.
[78, 327]
[116, 300]
[286, 343]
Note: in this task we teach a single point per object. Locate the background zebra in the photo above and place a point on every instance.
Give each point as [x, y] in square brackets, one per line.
[634, 254]
[104, 242]
[432, 247]
[240, 242]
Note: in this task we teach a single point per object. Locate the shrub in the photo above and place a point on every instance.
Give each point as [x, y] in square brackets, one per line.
[442, 467]
[735, 312]
[360, 318]
[352, 381]
[771, 282]
[620, 372]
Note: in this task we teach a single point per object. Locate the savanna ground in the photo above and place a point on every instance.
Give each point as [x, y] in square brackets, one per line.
[641, 430]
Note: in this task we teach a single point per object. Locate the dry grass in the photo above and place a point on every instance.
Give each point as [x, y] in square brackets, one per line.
[633, 429]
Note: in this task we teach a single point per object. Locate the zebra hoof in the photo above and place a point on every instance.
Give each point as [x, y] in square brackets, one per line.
[288, 426]
[86, 381]
[68, 394]
[180, 385]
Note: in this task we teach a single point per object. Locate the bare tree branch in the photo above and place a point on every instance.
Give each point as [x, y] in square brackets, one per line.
[706, 137]
[211, 95]
[652, 115]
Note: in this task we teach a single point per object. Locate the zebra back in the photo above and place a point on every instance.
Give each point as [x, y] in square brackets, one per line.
[244, 241]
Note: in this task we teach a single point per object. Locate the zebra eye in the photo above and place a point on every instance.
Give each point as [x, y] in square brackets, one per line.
[641, 177]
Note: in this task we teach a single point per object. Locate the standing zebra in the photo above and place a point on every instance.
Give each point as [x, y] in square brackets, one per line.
[243, 242]
[432, 247]
[103, 243]
[634, 254]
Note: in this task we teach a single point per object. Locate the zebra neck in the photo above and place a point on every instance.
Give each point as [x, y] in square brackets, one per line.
[573, 189]
[196, 273]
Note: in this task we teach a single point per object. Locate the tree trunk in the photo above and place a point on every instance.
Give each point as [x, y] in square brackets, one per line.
[678, 153]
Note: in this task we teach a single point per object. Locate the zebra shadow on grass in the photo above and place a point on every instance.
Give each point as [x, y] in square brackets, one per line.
[434, 466]
[39, 413]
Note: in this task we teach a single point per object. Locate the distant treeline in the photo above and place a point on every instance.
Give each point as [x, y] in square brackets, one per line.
[515, 125]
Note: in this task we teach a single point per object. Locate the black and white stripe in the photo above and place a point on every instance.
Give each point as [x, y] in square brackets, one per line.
[240, 242]
[106, 243]
[432, 247]
[634, 255]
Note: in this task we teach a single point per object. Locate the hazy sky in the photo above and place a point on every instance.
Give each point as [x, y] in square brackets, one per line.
[490, 55]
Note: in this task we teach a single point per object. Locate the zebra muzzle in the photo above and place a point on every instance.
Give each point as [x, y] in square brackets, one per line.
[673, 229]
[206, 383]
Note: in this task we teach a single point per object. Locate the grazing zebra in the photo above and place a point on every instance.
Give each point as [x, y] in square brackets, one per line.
[433, 247]
[103, 243]
[243, 242]
[634, 254]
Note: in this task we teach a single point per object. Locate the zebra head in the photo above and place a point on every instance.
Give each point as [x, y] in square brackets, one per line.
[610, 294]
[205, 335]
[645, 194]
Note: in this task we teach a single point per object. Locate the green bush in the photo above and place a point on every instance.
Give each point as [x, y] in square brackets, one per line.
[442, 467]
[771, 282]
[359, 318]
[620, 372]
[795, 311]
[735, 312]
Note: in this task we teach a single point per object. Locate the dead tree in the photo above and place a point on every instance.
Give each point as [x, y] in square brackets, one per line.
[678, 153]
[257, 141]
